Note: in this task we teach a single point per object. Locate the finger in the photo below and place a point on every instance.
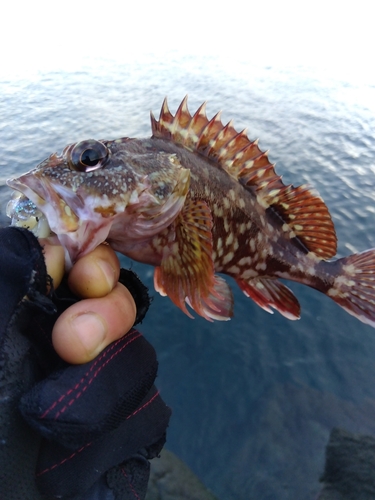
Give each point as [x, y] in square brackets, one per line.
[88, 326]
[95, 274]
[55, 261]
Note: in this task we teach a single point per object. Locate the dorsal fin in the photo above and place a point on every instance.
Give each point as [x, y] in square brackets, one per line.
[229, 149]
[304, 213]
[301, 208]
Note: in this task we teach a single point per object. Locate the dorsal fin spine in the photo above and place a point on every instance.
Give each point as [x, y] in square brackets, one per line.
[231, 149]
[208, 133]
[164, 109]
[197, 123]
[218, 145]
[182, 117]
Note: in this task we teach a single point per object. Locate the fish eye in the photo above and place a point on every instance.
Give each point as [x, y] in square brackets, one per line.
[88, 155]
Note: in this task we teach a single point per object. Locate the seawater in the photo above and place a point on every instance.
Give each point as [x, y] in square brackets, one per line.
[253, 399]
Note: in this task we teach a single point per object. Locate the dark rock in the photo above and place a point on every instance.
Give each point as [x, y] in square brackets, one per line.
[171, 479]
[350, 467]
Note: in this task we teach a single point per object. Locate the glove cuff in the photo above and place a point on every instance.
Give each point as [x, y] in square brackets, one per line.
[138, 291]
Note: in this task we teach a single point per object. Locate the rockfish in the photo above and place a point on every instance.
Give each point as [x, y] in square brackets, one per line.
[196, 199]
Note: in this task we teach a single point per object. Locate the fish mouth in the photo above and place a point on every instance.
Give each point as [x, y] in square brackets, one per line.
[56, 215]
[58, 204]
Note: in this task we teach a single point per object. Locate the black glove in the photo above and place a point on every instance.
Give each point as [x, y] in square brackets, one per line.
[81, 431]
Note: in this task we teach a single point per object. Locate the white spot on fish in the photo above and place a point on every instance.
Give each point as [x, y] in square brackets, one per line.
[218, 211]
[261, 172]
[232, 194]
[233, 269]
[228, 257]
[332, 292]
[274, 192]
[349, 269]
[229, 239]
[249, 273]
[262, 266]
[343, 280]
[262, 201]
[245, 261]
[314, 257]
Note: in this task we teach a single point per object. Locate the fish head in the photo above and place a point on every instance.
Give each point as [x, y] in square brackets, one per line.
[96, 188]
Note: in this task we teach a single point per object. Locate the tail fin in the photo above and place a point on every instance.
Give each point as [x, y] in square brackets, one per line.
[354, 287]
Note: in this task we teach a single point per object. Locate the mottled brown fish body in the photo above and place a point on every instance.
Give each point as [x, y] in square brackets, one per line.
[196, 199]
[248, 240]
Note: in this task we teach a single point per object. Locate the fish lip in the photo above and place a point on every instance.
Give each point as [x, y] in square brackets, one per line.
[60, 211]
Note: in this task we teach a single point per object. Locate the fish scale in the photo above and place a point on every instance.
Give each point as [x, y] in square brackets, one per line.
[196, 199]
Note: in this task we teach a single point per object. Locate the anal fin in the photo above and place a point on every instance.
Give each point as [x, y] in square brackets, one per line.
[270, 293]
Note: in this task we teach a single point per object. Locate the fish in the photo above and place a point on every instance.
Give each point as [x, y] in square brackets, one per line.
[197, 200]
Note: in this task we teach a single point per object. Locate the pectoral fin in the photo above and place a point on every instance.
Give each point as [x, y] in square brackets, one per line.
[186, 273]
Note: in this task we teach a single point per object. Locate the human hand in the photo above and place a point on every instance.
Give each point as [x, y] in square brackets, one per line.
[105, 313]
[85, 426]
